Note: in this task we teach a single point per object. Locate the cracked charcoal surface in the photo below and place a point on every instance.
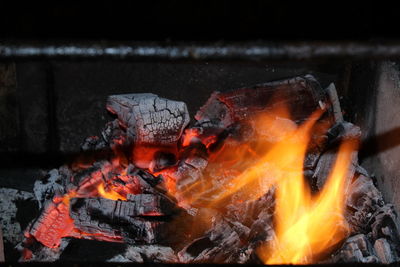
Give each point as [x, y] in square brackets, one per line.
[150, 119]
[122, 218]
[136, 205]
[302, 95]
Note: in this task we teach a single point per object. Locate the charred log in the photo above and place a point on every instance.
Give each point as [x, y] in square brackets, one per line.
[52, 225]
[302, 95]
[148, 118]
[137, 220]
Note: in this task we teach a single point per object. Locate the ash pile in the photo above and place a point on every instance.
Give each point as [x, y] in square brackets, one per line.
[138, 182]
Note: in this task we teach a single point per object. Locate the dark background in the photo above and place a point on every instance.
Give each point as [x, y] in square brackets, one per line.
[198, 20]
[49, 106]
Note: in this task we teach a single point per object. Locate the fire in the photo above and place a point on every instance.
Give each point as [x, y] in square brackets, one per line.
[307, 226]
[110, 194]
[256, 167]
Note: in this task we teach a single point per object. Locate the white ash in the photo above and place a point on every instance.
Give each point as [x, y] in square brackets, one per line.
[12, 231]
[146, 253]
[383, 251]
[45, 254]
[46, 188]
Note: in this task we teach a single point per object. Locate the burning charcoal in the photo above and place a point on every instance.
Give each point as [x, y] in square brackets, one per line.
[92, 143]
[334, 101]
[214, 114]
[136, 205]
[363, 198]
[150, 205]
[302, 95]
[190, 169]
[52, 184]
[110, 217]
[247, 212]
[343, 130]
[10, 200]
[162, 160]
[325, 165]
[112, 134]
[196, 160]
[187, 175]
[53, 224]
[146, 139]
[243, 212]
[147, 253]
[383, 251]
[322, 169]
[384, 224]
[262, 228]
[361, 170]
[98, 226]
[356, 249]
[148, 180]
[322, 164]
[222, 244]
[150, 119]
[88, 179]
[310, 162]
[36, 252]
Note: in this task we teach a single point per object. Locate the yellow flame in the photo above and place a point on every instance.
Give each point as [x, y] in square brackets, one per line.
[110, 194]
[278, 159]
[307, 227]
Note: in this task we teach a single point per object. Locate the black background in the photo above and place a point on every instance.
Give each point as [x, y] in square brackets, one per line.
[199, 20]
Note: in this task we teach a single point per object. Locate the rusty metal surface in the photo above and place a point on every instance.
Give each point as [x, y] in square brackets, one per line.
[256, 51]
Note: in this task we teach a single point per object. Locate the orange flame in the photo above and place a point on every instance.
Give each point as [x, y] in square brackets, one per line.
[109, 194]
[268, 161]
[307, 226]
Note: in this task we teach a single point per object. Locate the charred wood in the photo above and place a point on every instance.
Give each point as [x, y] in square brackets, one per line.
[33, 251]
[363, 200]
[383, 251]
[147, 254]
[356, 249]
[325, 165]
[49, 186]
[334, 101]
[343, 131]
[222, 244]
[139, 219]
[52, 225]
[302, 95]
[148, 118]
[124, 211]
